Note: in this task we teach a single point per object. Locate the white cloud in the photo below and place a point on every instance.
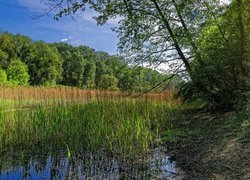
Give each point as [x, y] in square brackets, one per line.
[64, 40]
[88, 15]
[69, 26]
[81, 32]
[82, 29]
[67, 39]
[115, 21]
[34, 5]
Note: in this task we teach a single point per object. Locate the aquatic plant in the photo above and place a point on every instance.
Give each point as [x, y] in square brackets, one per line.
[118, 124]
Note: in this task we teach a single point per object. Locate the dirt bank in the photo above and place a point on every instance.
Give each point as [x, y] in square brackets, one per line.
[211, 148]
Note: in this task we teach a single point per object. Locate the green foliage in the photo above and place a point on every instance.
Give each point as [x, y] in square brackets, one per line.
[101, 68]
[210, 39]
[60, 63]
[108, 82]
[89, 74]
[243, 117]
[74, 69]
[44, 63]
[22, 46]
[17, 72]
[3, 77]
[172, 134]
[139, 79]
[127, 82]
[117, 126]
[7, 49]
[221, 80]
[245, 134]
[73, 65]
[3, 59]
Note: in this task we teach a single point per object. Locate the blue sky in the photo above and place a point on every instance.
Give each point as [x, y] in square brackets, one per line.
[15, 17]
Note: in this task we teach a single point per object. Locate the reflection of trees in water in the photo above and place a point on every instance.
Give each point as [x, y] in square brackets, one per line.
[90, 166]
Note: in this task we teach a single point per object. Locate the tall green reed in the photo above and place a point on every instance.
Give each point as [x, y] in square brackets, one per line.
[121, 126]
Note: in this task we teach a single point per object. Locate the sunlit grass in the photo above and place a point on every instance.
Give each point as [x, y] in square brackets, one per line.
[120, 125]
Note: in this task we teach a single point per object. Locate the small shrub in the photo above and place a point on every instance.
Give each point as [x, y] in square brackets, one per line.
[3, 77]
[108, 82]
[17, 72]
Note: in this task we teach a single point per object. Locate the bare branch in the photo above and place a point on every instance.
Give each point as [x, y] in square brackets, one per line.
[52, 8]
[160, 83]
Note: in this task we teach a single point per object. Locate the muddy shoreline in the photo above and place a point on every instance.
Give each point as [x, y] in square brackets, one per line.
[212, 150]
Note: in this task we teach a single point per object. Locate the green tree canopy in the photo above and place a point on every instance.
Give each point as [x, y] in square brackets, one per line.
[45, 64]
[7, 49]
[226, 59]
[17, 72]
[108, 82]
[82, 66]
[89, 74]
[3, 77]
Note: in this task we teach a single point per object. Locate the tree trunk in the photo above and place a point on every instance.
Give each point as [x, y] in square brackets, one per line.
[189, 36]
[172, 35]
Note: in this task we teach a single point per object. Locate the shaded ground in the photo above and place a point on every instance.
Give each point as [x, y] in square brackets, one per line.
[211, 147]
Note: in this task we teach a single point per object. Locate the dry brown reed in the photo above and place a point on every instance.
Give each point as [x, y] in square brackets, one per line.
[66, 95]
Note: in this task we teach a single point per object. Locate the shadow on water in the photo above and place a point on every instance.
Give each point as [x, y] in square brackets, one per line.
[90, 166]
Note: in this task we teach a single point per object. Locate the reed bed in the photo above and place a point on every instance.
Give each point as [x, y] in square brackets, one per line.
[71, 94]
[75, 119]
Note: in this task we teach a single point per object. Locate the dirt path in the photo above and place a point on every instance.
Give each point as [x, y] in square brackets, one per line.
[212, 150]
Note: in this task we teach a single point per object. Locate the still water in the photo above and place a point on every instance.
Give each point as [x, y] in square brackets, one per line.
[157, 165]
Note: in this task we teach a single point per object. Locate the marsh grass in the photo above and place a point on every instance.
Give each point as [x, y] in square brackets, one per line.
[76, 120]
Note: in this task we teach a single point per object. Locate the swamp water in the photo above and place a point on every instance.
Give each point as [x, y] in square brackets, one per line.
[157, 165]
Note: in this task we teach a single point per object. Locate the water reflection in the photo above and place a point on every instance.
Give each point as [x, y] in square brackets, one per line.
[92, 166]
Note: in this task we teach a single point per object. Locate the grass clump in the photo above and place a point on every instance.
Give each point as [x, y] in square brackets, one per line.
[124, 126]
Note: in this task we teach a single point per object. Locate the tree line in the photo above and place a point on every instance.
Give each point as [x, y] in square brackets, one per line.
[206, 42]
[27, 62]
